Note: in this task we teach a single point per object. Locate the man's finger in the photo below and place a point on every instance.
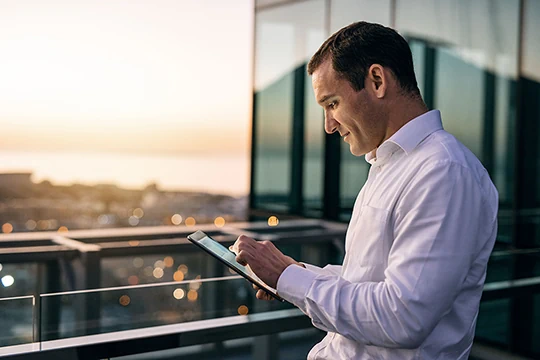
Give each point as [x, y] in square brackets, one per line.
[243, 257]
[262, 295]
[244, 242]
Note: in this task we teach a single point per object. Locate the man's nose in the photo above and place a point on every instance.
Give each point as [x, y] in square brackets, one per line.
[330, 124]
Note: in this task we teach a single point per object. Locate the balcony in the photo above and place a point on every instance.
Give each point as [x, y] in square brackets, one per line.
[73, 311]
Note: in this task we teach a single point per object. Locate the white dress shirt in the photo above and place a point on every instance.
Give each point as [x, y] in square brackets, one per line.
[421, 232]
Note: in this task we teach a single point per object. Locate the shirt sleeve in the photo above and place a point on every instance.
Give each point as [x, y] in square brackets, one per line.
[327, 270]
[435, 225]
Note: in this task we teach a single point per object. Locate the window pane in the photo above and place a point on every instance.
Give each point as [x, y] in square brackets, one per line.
[314, 152]
[345, 12]
[286, 37]
[531, 102]
[475, 70]
[493, 321]
[354, 169]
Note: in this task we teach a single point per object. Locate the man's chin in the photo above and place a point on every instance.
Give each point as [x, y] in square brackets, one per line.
[357, 152]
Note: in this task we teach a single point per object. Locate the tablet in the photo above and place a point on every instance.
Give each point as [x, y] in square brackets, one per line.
[228, 257]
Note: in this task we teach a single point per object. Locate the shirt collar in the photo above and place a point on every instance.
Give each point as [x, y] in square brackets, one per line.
[408, 136]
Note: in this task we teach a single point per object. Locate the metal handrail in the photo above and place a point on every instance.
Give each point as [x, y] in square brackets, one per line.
[164, 337]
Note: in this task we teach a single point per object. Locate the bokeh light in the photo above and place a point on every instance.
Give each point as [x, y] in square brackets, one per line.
[243, 310]
[148, 271]
[62, 229]
[183, 268]
[195, 285]
[273, 221]
[134, 243]
[138, 262]
[192, 295]
[158, 273]
[7, 228]
[8, 280]
[176, 219]
[133, 280]
[124, 300]
[190, 221]
[133, 221]
[138, 213]
[178, 276]
[103, 219]
[179, 294]
[169, 261]
[219, 221]
[31, 225]
[42, 224]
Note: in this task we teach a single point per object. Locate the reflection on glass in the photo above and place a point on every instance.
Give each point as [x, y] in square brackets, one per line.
[314, 150]
[144, 269]
[473, 73]
[418, 51]
[135, 307]
[345, 12]
[16, 319]
[354, 170]
[20, 279]
[461, 106]
[286, 37]
[531, 92]
[493, 321]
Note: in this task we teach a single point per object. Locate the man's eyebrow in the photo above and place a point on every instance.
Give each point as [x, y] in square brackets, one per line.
[324, 98]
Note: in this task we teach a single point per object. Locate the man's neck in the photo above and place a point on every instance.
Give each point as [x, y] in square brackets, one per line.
[404, 110]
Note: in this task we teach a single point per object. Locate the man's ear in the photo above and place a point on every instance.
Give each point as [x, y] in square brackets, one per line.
[378, 80]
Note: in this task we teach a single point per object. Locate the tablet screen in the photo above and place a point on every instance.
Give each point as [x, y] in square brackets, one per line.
[227, 256]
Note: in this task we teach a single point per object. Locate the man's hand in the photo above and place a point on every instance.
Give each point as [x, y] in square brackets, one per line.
[266, 261]
[262, 295]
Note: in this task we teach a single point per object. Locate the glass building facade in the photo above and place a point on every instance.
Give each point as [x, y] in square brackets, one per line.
[476, 61]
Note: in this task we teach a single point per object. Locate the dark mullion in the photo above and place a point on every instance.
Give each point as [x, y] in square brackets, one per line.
[332, 174]
[297, 148]
[525, 140]
[430, 58]
[252, 188]
[488, 141]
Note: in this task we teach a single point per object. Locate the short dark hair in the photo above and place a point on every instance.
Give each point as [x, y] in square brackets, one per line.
[356, 47]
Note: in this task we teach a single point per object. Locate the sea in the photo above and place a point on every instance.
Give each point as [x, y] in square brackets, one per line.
[211, 173]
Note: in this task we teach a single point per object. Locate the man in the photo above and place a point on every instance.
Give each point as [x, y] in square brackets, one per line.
[423, 226]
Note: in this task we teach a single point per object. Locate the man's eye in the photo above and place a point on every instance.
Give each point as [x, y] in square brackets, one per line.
[332, 105]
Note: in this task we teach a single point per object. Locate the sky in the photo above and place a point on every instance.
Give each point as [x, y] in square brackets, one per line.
[137, 76]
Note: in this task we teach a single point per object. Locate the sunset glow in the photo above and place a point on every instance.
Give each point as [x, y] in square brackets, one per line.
[146, 76]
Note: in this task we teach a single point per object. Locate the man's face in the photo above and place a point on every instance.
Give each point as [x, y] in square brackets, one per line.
[354, 114]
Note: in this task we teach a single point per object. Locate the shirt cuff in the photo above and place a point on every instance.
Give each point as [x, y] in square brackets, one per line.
[314, 268]
[294, 283]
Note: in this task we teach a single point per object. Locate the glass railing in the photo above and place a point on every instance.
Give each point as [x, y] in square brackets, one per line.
[513, 264]
[17, 325]
[156, 306]
[198, 310]
[204, 296]
[510, 297]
